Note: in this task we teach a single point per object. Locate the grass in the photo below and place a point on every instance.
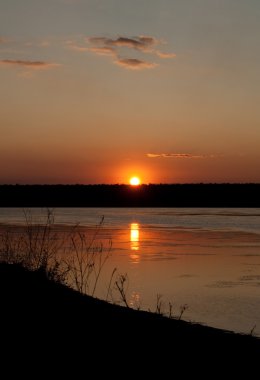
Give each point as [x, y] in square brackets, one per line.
[86, 260]
[72, 258]
[35, 247]
[121, 285]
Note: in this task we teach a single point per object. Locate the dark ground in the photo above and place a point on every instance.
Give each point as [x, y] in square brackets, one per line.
[179, 195]
[43, 321]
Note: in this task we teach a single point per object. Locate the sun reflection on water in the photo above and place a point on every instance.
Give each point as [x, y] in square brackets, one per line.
[134, 236]
[135, 300]
[134, 240]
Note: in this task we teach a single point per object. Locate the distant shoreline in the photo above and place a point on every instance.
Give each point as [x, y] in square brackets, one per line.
[161, 195]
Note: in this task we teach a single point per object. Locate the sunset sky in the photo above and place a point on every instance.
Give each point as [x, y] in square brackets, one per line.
[97, 91]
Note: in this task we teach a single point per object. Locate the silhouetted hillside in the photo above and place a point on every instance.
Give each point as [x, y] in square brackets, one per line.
[179, 195]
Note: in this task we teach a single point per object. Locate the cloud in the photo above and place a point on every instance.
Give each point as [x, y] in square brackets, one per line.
[126, 42]
[179, 155]
[165, 55]
[5, 41]
[39, 43]
[45, 43]
[37, 65]
[121, 46]
[142, 43]
[77, 47]
[148, 40]
[97, 40]
[135, 64]
[102, 50]
[99, 50]
[69, 1]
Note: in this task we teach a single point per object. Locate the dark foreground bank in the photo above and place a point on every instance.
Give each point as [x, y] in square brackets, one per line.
[42, 313]
[178, 195]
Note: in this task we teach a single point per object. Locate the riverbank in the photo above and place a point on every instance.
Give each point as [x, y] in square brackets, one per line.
[35, 308]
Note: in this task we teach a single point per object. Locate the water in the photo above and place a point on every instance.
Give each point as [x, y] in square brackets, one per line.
[207, 259]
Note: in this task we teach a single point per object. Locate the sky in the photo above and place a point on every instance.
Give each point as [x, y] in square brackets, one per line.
[96, 91]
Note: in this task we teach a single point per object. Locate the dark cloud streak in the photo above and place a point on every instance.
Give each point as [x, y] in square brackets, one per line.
[28, 64]
[142, 43]
[135, 64]
[179, 155]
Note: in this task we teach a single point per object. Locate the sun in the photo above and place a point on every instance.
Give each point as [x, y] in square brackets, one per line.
[135, 181]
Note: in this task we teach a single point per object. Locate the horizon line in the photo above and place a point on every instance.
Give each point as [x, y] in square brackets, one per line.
[127, 184]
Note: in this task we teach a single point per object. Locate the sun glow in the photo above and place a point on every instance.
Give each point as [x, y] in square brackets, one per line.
[135, 181]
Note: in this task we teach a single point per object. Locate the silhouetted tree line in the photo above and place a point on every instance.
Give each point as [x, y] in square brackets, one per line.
[177, 195]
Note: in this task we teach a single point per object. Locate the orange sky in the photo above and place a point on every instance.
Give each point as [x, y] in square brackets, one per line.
[95, 92]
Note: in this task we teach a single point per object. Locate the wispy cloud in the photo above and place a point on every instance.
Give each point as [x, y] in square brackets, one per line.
[104, 50]
[180, 155]
[70, 2]
[99, 50]
[6, 41]
[39, 43]
[37, 65]
[165, 55]
[122, 47]
[78, 48]
[73, 45]
[45, 43]
[135, 64]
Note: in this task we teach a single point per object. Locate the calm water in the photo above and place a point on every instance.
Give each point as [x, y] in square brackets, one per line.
[208, 259]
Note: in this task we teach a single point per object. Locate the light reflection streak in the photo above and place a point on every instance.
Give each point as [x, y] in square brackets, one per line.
[134, 236]
[134, 240]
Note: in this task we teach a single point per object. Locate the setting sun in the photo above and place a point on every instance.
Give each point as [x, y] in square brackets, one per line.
[135, 181]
